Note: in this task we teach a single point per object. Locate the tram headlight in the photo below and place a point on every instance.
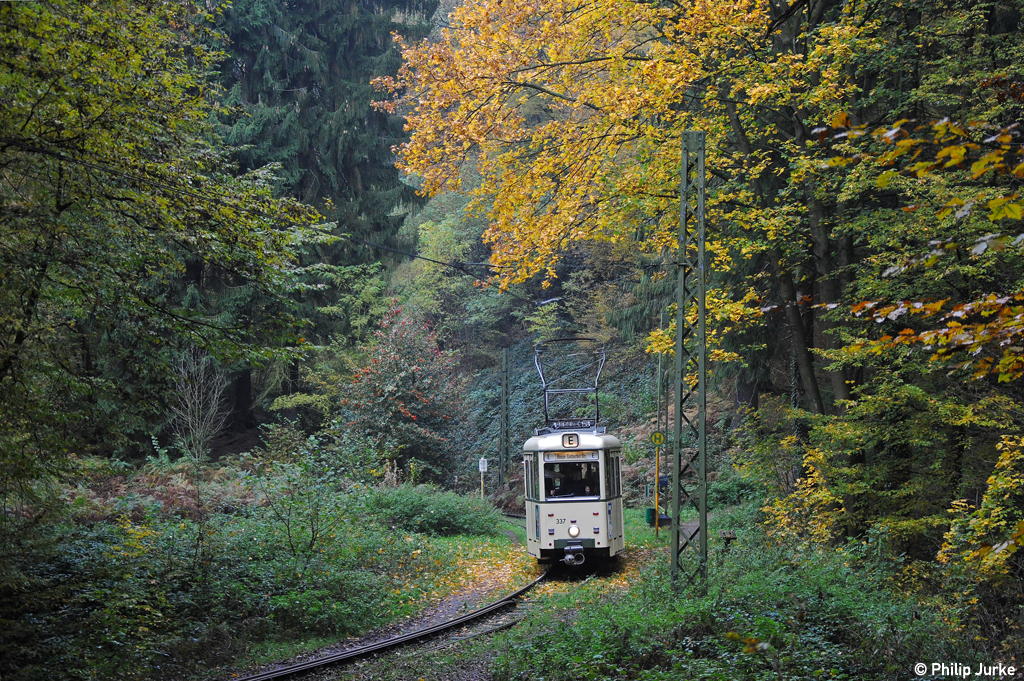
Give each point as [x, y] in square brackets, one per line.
[574, 531]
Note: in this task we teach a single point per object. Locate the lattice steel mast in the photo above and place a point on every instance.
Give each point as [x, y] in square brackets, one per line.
[690, 370]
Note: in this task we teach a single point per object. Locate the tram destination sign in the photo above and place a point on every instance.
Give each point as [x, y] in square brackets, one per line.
[559, 456]
[573, 424]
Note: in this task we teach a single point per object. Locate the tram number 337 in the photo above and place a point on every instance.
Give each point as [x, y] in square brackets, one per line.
[560, 521]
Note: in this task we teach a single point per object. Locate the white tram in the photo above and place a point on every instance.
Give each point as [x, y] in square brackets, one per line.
[573, 495]
[572, 475]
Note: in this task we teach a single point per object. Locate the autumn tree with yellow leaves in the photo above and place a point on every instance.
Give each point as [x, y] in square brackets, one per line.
[848, 143]
[572, 113]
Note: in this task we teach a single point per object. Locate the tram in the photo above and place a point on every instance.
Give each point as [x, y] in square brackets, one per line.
[572, 479]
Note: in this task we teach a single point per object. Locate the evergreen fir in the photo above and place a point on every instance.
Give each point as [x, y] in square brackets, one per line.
[298, 84]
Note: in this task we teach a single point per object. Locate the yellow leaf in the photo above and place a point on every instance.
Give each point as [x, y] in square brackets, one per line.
[841, 120]
[885, 178]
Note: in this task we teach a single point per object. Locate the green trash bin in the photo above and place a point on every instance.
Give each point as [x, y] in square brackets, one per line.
[650, 516]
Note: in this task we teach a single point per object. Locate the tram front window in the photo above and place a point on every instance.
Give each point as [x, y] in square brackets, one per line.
[572, 479]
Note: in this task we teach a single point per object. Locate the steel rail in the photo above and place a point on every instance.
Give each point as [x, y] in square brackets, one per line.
[394, 642]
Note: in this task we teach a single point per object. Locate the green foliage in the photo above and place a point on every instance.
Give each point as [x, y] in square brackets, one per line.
[299, 83]
[731, 488]
[403, 400]
[892, 471]
[358, 301]
[298, 95]
[432, 511]
[769, 452]
[812, 611]
[125, 598]
[478, 434]
[301, 490]
[117, 203]
[542, 322]
[126, 602]
[465, 313]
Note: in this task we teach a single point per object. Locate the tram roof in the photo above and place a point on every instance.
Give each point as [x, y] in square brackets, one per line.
[550, 442]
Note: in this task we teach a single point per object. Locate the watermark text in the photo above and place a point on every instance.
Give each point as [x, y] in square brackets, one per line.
[996, 670]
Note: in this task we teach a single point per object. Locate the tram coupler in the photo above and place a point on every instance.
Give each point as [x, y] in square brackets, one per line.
[574, 554]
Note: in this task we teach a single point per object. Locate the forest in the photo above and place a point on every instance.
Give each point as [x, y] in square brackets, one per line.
[259, 260]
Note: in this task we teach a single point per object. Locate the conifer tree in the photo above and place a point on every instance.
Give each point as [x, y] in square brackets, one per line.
[298, 80]
[297, 85]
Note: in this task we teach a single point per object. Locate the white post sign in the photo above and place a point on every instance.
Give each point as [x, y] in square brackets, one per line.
[483, 469]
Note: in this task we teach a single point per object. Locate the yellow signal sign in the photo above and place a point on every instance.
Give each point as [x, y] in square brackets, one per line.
[658, 437]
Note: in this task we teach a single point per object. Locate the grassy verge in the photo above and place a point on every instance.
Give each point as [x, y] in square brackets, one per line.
[457, 563]
[516, 527]
[550, 602]
[768, 612]
[144, 589]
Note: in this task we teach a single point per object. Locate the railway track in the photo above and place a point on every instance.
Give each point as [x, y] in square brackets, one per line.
[401, 640]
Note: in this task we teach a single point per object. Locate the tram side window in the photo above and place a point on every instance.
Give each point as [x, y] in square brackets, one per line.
[612, 473]
[608, 475]
[572, 479]
[531, 476]
[526, 475]
[534, 478]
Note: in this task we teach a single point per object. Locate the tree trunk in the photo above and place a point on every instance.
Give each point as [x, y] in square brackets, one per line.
[747, 396]
[827, 285]
[241, 406]
[293, 378]
[801, 348]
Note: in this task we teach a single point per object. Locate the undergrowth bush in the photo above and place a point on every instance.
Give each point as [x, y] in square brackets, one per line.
[426, 509]
[731, 488]
[169, 573]
[136, 600]
[768, 612]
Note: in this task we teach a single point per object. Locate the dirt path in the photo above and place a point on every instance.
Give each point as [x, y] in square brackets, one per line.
[492, 582]
[477, 594]
[686, 529]
[513, 536]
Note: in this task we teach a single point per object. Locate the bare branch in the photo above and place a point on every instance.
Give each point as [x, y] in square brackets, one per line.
[200, 412]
